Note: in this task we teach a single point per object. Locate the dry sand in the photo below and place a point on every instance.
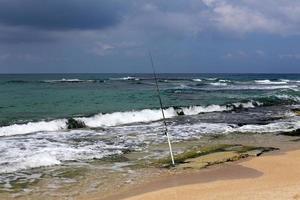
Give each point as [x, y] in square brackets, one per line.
[266, 177]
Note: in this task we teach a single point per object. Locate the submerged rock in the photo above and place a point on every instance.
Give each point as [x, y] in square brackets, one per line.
[74, 124]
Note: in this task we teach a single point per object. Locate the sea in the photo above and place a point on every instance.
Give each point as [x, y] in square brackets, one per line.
[122, 113]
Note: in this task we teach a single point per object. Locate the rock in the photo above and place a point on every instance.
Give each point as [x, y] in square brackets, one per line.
[296, 111]
[210, 159]
[257, 152]
[292, 133]
[180, 112]
[201, 157]
[74, 124]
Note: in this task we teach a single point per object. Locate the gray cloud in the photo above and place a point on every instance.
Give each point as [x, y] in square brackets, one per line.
[75, 34]
[61, 14]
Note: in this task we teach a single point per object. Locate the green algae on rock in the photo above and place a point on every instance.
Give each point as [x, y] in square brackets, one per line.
[201, 157]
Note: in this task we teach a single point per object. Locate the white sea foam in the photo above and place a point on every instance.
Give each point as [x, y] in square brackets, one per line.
[197, 80]
[211, 79]
[64, 80]
[186, 131]
[51, 148]
[125, 78]
[32, 127]
[32, 161]
[288, 97]
[147, 115]
[270, 128]
[218, 84]
[254, 87]
[224, 81]
[54, 148]
[118, 118]
[268, 82]
[250, 104]
[285, 80]
[194, 110]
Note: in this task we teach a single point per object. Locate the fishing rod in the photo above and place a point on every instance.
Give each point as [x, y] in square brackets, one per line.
[162, 110]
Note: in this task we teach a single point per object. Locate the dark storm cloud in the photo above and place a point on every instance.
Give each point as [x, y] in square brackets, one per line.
[61, 14]
[113, 35]
[19, 36]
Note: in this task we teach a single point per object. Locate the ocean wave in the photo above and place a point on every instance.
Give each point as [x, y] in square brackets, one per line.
[52, 149]
[32, 127]
[285, 80]
[187, 131]
[240, 87]
[197, 79]
[288, 97]
[218, 84]
[148, 115]
[127, 78]
[268, 82]
[18, 81]
[224, 81]
[48, 149]
[290, 80]
[275, 127]
[41, 159]
[63, 80]
[211, 79]
[121, 118]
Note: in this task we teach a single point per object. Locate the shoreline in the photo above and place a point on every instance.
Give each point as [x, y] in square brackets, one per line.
[250, 178]
[98, 181]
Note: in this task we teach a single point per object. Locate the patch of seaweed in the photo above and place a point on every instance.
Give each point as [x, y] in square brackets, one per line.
[239, 151]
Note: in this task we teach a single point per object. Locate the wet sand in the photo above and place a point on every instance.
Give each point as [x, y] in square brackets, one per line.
[274, 176]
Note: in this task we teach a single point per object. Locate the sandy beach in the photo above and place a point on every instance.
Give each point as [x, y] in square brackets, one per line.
[266, 177]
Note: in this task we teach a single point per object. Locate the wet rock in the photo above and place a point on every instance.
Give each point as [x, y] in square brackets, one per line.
[201, 157]
[180, 112]
[292, 133]
[75, 124]
[210, 159]
[296, 111]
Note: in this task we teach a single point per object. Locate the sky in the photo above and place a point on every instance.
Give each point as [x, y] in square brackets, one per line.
[115, 36]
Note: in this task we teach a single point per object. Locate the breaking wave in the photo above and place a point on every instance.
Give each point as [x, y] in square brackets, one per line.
[125, 78]
[197, 79]
[121, 118]
[268, 82]
[31, 127]
[219, 84]
[63, 80]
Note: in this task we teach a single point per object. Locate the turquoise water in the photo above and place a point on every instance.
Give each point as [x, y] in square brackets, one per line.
[47, 96]
[121, 113]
